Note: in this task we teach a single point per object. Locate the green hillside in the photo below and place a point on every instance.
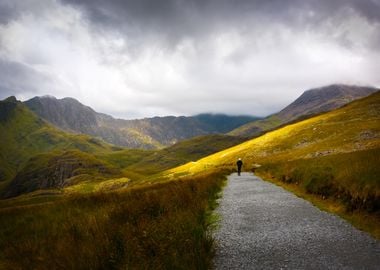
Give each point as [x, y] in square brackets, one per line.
[58, 169]
[257, 127]
[24, 135]
[42, 157]
[351, 128]
[183, 152]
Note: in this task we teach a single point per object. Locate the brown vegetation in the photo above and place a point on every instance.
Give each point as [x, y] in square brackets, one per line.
[161, 226]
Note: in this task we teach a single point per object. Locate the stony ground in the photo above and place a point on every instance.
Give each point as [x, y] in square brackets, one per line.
[265, 227]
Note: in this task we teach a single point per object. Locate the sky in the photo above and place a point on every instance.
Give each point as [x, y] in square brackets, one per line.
[144, 58]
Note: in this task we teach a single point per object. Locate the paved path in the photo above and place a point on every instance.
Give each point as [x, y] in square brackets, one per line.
[265, 227]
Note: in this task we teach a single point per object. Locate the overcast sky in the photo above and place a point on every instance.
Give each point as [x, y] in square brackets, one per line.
[142, 58]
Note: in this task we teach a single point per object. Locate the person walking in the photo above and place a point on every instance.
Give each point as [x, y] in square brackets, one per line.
[239, 164]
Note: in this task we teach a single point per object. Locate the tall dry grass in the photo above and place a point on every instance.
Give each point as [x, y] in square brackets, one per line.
[352, 178]
[161, 226]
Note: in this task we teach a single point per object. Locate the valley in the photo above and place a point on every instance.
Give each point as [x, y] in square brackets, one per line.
[137, 204]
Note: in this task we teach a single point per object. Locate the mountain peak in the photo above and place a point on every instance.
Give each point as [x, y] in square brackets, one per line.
[47, 96]
[67, 113]
[311, 102]
[11, 99]
[323, 99]
[7, 106]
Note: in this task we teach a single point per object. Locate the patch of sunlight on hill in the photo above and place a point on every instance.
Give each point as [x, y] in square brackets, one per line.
[182, 152]
[348, 129]
[331, 159]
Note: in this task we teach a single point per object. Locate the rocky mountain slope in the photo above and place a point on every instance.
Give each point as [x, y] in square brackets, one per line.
[149, 133]
[311, 102]
[58, 169]
[30, 144]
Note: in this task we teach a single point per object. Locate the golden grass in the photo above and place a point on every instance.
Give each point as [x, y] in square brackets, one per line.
[161, 226]
[349, 129]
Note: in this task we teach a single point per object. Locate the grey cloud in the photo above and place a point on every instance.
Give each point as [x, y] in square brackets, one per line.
[182, 14]
[17, 79]
[173, 20]
[11, 10]
[369, 9]
[8, 12]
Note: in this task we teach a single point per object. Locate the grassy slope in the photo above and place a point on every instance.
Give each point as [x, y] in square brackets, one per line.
[333, 155]
[257, 127]
[57, 169]
[161, 226]
[351, 128]
[24, 135]
[32, 149]
[183, 152]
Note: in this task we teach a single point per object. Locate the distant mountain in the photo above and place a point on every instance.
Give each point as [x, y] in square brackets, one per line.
[149, 133]
[30, 145]
[311, 102]
[67, 113]
[322, 100]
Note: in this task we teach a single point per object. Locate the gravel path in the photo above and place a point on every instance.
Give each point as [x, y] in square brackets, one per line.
[265, 227]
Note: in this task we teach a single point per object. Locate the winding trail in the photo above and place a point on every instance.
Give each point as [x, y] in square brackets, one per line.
[265, 227]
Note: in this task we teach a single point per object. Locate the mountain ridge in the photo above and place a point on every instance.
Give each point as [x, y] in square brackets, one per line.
[149, 133]
[311, 102]
[323, 99]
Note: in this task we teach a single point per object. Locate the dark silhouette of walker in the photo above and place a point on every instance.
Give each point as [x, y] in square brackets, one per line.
[239, 164]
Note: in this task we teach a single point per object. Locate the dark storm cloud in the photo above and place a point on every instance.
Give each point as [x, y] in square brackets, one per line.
[369, 9]
[10, 10]
[183, 17]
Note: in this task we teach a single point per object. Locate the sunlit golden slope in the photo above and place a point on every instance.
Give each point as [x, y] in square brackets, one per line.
[351, 128]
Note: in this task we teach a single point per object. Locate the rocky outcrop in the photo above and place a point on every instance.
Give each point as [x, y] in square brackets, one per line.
[67, 113]
[56, 171]
[6, 108]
